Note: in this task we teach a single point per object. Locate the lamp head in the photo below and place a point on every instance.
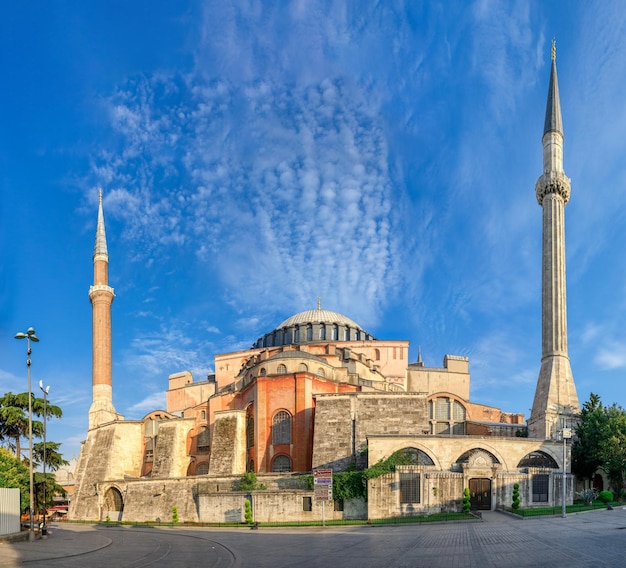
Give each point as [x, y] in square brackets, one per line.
[30, 334]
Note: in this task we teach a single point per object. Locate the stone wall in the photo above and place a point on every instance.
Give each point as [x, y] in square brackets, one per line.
[109, 452]
[343, 423]
[228, 449]
[170, 452]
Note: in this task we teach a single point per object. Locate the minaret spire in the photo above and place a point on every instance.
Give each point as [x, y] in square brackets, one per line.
[101, 296]
[556, 401]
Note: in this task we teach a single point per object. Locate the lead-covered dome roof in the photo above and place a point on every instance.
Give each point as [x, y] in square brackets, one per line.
[312, 326]
[319, 316]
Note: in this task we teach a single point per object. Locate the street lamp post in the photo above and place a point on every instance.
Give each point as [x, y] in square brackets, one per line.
[566, 434]
[30, 336]
[45, 391]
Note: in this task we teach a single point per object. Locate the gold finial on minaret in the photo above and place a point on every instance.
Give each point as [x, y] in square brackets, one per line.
[319, 303]
[553, 49]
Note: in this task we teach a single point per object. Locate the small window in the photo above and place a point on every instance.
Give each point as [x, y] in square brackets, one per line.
[323, 332]
[202, 469]
[307, 504]
[203, 415]
[296, 335]
[321, 372]
[203, 441]
[250, 430]
[377, 354]
[149, 456]
[281, 464]
[282, 369]
[409, 488]
[263, 372]
[540, 484]
[309, 332]
[335, 332]
[302, 368]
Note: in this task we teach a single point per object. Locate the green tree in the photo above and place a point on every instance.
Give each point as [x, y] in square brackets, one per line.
[13, 473]
[54, 458]
[14, 418]
[601, 442]
[613, 447]
[586, 455]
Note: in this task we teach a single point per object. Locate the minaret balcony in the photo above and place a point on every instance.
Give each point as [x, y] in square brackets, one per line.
[553, 182]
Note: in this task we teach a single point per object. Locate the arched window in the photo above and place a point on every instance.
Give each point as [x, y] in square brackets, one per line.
[281, 463]
[309, 332]
[346, 334]
[202, 469]
[203, 441]
[321, 372]
[250, 427]
[335, 332]
[302, 368]
[447, 416]
[282, 369]
[263, 372]
[322, 332]
[377, 354]
[413, 456]
[296, 335]
[203, 415]
[538, 459]
[358, 335]
[281, 428]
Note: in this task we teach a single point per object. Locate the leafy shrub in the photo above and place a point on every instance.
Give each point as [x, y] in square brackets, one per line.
[174, 514]
[249, 482]
[587, 495]
[466, 500]
[606, 496]
[247, 513]
[516, 499]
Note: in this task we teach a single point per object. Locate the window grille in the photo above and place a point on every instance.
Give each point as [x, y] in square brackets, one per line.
[281, 428]
[250, 431]
[282, 369]
[442, 409]
[203, 441]
[409, 487]
[540, 483]
[281, 464]
[307, 504]
[202, 469]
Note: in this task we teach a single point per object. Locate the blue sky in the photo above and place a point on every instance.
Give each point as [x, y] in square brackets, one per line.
[255, 156]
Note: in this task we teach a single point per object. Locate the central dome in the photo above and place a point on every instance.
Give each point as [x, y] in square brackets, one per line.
[319, 316]
[314, 326]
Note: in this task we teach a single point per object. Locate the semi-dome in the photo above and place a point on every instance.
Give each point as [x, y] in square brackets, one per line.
[313, 326]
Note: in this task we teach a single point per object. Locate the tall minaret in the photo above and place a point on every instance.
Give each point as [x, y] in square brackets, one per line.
[101, 297]
[556, 401]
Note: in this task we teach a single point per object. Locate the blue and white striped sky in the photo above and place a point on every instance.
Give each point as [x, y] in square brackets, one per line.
[256, 155]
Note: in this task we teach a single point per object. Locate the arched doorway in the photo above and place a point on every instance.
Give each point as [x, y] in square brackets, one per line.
[113, 504]
[480, 494]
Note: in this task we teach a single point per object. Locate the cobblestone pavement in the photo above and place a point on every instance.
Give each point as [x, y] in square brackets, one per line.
[593, 539]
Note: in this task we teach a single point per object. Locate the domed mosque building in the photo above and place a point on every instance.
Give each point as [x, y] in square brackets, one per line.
[319, 392]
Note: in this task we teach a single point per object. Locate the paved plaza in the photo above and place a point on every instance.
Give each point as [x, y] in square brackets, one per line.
[592, 539]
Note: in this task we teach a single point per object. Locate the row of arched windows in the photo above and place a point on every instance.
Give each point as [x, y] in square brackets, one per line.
[302, 368]
[536, 459]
